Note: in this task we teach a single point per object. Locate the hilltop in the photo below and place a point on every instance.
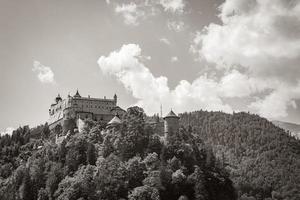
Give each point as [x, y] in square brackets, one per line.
[263, 159]
[125, 161]
[213, 156]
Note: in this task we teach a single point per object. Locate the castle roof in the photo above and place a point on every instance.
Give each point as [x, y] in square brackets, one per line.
[115, 120]
[77, 95]
[171, 115]
[58, 98]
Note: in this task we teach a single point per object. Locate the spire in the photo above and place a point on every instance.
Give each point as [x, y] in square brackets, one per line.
[77, 94]
[58, 98]
[115, 98]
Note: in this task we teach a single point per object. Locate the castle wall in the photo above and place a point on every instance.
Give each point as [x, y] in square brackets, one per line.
[82, 107]
[101, 106]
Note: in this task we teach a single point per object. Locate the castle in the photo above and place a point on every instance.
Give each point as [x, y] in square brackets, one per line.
[103, 110]
[78, 107]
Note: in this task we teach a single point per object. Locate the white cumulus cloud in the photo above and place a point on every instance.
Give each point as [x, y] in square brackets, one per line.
[275, 104]
[151, 91]
[261, 39]
[44, 73]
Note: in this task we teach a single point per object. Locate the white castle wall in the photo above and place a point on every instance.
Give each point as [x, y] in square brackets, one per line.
[82, 107]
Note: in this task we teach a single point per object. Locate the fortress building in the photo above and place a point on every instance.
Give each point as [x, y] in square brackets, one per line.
[78, 107]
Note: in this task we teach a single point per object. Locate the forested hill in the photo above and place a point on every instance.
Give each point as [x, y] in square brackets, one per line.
[130, 161]
[214, 156]
[263, 159]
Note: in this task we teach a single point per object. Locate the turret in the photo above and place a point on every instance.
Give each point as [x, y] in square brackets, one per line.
[58, 99]
[115, 98]
[171, 124]
[77, 95]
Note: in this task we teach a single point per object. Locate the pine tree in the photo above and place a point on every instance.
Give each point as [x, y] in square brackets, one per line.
[25, 188]
[91, 154]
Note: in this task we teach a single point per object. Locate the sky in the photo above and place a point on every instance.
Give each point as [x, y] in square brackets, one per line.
[217, 55]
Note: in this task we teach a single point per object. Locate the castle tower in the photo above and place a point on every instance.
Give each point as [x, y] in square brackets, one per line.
[58, 99]
[171, 124]
[77, 95]
[115, 98]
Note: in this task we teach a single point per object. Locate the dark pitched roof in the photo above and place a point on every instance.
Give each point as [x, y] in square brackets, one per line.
[77, 94]
[171, 114]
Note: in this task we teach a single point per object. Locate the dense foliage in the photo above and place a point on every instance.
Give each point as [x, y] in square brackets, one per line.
[129, 161]
[263, 160]
[134, 162]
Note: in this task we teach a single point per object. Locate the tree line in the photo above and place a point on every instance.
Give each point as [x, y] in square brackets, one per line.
[130, 161]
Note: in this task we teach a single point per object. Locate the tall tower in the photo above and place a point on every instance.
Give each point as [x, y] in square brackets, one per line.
[115, 98]
[58, 99]
[171, 124]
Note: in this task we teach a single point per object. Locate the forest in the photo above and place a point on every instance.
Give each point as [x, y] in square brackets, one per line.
[263, 160]
[213, 156]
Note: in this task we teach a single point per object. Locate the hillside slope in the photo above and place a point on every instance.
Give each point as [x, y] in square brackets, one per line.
[128, 161]
[263, 160]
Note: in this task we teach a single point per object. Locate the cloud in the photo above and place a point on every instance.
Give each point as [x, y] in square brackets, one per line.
[176, 26]
[7, 131]
[173, 5]
[275, 104]
[136, 11]
[165, 40]
[151, 91]
[174, 59]
[236, 84]
[130, 13]
[262, 40]
[44, 73]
